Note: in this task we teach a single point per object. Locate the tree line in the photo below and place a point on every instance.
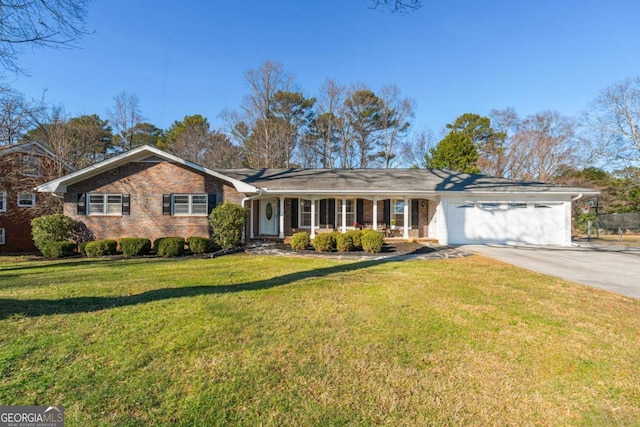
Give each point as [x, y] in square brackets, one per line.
[345, 126]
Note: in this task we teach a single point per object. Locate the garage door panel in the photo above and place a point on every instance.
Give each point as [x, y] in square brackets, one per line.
[505, 223]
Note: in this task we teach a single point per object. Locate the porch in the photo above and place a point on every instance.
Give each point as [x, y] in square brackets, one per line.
[278, 217]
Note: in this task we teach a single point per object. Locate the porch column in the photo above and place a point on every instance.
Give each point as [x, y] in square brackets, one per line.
[375, 212]
[313, 217]
[281, 214]
[406, 217]
[251, 220]
[344, 214]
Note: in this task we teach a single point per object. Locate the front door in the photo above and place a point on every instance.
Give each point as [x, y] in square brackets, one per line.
[268, 217]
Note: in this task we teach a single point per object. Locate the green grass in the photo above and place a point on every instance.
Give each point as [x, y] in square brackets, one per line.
[274, 341]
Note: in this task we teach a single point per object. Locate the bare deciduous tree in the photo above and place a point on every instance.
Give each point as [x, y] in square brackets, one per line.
[17, 115]
[396, 115]
[47, 23]
[124, 118]
[537, 147]
[414, 149]
[397, 6]
[613, 122]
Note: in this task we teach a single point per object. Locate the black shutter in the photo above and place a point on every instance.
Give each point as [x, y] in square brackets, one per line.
[126, 204]
[415, 213]
[332, 213]
[166, 204]
[82, 205]
[294, 213]
[211, 202]
[386, 212]
[323, 212]
[360, 211]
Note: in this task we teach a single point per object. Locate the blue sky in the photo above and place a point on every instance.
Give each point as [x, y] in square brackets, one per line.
[451, 56]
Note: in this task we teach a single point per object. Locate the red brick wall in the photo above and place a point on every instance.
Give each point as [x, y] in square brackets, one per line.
[17, 220]
[146, 182]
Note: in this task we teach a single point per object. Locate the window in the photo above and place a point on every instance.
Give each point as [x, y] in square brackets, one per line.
[517, 205]
[2, 233]
[105, 204]
[350, 210]
[490, 206]
[190, 204]
[397, 215]
[30, 166]
[26, 200]
[305, 213]
[3, 201]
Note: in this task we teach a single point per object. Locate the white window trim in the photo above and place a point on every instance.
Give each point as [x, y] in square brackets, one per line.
[300, 213]
[393, 215]
[105, 204]
[191, 204]
[33, 201]
[3, 198]
[30, 174]
[349, 225]
[2, 236]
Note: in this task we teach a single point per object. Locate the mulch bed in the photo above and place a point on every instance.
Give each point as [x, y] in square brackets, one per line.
[398, 248]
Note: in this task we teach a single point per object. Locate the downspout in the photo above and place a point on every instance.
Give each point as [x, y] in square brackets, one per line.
[578, 197]
[244, 200]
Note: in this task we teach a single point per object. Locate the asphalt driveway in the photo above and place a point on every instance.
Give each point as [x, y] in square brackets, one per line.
[611, 267]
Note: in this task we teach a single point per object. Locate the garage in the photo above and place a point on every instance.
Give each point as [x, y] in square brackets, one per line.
[510, 223]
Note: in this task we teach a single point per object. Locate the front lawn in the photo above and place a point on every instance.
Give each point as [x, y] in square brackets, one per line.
[256, 340]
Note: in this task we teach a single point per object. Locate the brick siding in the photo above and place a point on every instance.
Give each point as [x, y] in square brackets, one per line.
[146, 182]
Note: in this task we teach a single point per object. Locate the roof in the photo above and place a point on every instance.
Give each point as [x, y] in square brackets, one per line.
[135, 155]
[32, 147]
[388, 181]
[329, 181]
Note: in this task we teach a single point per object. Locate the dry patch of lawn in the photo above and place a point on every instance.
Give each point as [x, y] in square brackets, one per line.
[250, 340]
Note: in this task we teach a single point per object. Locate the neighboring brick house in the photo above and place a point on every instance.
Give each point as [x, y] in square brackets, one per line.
[22, 168]
[147, 192]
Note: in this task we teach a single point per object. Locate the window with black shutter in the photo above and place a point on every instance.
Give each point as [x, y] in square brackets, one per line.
[386, 212]
[294, 213]
[81, 206]
[360, 211]
[126, 204]
[211, 202]
[166, 204]
[332, 213]
[415, 213]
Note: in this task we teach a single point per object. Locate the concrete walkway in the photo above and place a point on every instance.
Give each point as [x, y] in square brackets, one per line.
[612, 267]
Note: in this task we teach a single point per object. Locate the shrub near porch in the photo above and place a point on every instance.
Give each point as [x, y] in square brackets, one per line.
[250, 340]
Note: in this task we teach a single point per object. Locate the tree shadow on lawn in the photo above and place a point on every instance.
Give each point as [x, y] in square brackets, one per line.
[43, 307]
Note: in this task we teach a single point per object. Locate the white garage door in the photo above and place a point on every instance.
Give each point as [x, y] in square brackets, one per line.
[506, 223]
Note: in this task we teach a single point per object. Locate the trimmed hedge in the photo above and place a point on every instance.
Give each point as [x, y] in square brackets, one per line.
[101, 248]
[372, 241]
[82, 247]
[156, 244]
[46, 229]
[300, 241]
[59, 249]
[356, 238]
[344, 242]
[170, 247]
[199, 245]
[227, 222]
[135, 246]
[324, 242]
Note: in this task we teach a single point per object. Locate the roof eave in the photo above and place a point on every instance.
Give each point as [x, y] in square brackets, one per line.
[139, 153]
